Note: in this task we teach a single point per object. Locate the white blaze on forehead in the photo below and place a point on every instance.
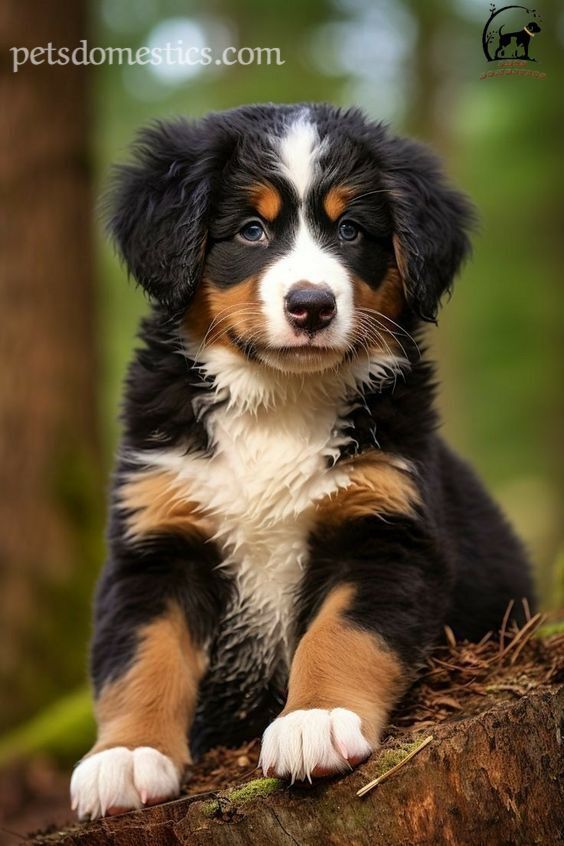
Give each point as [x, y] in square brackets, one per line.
[306, 260]
[299, 150]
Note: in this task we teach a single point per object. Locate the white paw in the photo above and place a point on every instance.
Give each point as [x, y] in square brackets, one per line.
[313, 742]
[123, 779]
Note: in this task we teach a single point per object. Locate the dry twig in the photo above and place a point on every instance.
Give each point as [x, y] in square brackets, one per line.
[371, 784]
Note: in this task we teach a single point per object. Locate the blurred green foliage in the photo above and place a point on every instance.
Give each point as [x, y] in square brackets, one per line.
[63, 731]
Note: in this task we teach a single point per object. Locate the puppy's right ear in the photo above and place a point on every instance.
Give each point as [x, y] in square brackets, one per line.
[158, 209]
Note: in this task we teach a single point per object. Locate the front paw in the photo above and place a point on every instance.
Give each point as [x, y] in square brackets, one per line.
[120, 779]
[314, 742]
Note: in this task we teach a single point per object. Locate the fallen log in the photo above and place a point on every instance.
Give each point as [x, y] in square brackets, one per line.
[491, 776]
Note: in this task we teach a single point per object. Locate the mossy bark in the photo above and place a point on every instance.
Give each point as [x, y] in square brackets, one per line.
[492, 779]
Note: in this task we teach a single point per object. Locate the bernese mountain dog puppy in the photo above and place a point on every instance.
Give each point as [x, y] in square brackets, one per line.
[289, 534]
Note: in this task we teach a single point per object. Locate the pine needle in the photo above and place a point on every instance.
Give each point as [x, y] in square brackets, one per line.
[371, 784]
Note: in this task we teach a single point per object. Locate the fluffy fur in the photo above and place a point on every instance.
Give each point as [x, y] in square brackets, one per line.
[288, 532]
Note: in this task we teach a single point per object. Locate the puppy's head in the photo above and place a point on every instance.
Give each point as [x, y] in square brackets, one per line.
[298, 236]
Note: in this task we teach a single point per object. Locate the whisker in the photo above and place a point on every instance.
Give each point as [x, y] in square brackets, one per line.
[369, 193]
[371, 330]
[373, 336]
[256, 335]
[402, 329]
[368, 327]
[245, 310]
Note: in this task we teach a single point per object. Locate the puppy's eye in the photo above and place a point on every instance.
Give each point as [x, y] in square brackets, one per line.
[253, 231]
[349, 231]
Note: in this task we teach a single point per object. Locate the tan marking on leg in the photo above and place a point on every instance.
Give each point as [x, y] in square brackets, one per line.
[377, 486]
[266, 199]
[158, 504]
[338, 665]
[153, 703]
[336, 201]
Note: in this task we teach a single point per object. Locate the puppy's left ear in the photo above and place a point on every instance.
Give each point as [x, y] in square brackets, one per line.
[431, 222]
[158, 209]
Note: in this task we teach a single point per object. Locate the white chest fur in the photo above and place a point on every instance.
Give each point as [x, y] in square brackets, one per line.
[260, 486]
[275, 440]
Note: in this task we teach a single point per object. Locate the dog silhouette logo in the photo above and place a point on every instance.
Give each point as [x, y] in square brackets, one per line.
[509, 33]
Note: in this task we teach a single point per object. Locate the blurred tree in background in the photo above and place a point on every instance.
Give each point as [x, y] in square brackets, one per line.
[416, 65]
[50, 526]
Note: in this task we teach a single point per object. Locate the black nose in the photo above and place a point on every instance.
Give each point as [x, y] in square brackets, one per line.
[310, 307]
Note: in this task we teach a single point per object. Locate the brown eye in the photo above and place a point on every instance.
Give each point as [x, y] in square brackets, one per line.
[349, 231]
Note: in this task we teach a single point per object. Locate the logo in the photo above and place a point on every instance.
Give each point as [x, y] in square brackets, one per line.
[508, 39]
[509, 34]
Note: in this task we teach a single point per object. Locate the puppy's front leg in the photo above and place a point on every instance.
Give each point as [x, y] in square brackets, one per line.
[157, 603]
[343, 683]
[378, 619]
[143, 715]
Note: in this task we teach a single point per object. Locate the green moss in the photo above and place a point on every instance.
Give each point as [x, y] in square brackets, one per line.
[388, 758]
[211, 808]
[258, 788]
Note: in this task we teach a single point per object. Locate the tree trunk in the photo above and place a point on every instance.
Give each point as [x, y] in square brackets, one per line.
[47, 360]
[491, 779]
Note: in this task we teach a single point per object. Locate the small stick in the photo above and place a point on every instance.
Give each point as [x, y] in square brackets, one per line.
[504, 626]
[525, 632]
[485, 638]
[450, 637]
[524, 641]
[371, 784]
[448, 666]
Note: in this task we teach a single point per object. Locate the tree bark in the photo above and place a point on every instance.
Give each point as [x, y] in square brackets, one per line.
[48, 420]
[491, 779]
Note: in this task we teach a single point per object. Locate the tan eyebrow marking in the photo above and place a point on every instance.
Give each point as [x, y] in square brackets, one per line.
[266, 199]
[336, 199]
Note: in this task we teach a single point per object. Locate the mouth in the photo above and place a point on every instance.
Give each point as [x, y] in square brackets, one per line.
[299, 357]
[309, 355]
[302, 350]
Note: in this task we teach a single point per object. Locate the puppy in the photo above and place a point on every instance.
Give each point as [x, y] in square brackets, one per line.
[288, 533]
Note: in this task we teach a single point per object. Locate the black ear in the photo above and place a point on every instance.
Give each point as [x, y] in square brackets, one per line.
[431, 223]
[158, 208]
